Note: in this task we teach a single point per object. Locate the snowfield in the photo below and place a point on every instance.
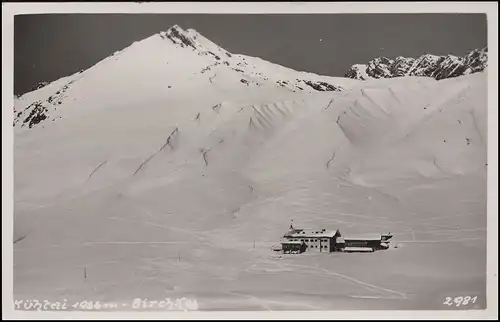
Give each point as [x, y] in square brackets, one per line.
[156, 180]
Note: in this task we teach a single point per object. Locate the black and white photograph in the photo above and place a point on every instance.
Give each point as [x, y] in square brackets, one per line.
[279, 161]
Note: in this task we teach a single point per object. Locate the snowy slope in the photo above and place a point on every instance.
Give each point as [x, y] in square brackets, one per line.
[161, 192]
[438, 67]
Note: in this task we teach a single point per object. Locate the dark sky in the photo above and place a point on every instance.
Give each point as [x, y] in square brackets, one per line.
[50, 46]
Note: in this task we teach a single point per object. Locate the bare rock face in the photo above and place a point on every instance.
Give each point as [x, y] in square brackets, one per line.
[379, 67]
[37, 113]
[357, 71]
[451, 66]
[400, 66]
[476, 60]
[425, 65]
[322, 86]
[178, 36]
[438, 67]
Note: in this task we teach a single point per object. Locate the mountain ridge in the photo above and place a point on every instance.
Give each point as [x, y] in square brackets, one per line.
[427, 65]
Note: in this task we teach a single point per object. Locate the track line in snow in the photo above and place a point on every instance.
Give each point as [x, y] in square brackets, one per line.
[204, 154]
[431, 219]
[438, 241]
[33, 205]
[143, 163]
[168, 142]
[364, 94]
[330, 103]
[474, 122]
[97, 168]
[331, 159]
[372, 297]
[133, 242]
[255, 299]
[170, 228]
[19, 239]
[454, 230]
[412, 233]
[365, 285]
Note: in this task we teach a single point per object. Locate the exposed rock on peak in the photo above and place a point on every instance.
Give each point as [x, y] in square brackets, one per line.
[179, 36]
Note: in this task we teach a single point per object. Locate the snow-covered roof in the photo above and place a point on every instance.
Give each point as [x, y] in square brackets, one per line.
[364, 237]
[318, 233]
[291, 242]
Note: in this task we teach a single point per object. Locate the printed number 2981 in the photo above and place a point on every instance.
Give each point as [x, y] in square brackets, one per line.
[460, 300]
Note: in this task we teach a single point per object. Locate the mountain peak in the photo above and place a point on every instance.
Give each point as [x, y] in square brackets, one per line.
[178, 36]
[176, 27]
[192, 38]
[163, 66]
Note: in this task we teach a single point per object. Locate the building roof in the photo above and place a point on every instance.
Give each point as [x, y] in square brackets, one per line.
[291, 242]
[308, 233]
[364, 237]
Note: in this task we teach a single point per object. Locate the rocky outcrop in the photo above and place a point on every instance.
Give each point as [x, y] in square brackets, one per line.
[39, 85]
[178, 36]
[322, 86]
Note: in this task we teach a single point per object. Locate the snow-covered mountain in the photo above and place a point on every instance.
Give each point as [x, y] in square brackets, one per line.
[160, 64]
[171, 168]
[438, 67]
